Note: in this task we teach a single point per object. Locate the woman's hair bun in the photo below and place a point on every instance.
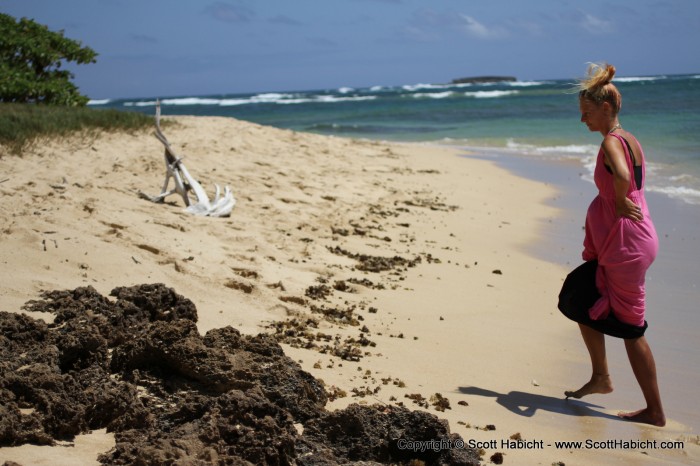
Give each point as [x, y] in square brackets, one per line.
[609, 73]
[597, 85]
[597, 75]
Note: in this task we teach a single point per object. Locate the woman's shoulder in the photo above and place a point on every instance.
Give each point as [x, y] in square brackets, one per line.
[620, 137]
[623, 141]
[612, 141]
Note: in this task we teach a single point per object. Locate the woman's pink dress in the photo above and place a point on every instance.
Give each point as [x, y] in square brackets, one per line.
[624, 248]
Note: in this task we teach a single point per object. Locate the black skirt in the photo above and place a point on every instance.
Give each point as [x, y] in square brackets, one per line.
[579, 294]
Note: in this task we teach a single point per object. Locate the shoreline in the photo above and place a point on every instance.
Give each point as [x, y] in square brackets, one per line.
[672, 283]
[452, 325]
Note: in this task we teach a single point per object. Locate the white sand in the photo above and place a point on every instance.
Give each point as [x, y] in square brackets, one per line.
[71, 217]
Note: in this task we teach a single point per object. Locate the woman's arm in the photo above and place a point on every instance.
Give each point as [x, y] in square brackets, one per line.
[617, 161]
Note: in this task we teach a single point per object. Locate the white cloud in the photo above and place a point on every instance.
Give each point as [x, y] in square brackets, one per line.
[476, 29]
[427, 25]
[595, 25]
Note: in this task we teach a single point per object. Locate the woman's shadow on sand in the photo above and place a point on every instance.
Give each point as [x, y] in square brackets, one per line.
[527, 404]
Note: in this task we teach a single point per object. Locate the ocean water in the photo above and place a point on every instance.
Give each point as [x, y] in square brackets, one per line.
[526, 118]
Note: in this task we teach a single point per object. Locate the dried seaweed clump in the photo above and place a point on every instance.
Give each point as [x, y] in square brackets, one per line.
[376, 264]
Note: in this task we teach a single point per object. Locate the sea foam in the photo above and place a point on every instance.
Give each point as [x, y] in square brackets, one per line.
[432, 95]
[145, 103]
[571, 149]
[267, 98]
[689, 195]
[633, 79]
[490, 94]
[420, 86]
[525, 83]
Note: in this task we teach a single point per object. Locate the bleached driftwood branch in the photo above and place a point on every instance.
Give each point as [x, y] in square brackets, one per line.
[220, 206]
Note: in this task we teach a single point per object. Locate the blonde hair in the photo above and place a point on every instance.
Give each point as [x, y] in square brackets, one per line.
[597, 86]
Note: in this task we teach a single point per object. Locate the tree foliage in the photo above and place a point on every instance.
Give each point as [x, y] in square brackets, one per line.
[31, 56]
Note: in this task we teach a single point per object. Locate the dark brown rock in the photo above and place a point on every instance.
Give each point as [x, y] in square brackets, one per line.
[137, 366]
[374, 433]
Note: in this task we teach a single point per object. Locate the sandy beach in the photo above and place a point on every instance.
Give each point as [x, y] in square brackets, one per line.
[458, 319]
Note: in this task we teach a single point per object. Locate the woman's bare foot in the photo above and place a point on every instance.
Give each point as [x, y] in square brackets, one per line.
[599, 383]
[645, 416]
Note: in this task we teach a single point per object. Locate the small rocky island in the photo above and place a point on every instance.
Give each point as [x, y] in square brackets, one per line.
[484, 80]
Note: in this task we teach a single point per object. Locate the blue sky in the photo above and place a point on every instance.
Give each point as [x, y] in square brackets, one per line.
[185, 47]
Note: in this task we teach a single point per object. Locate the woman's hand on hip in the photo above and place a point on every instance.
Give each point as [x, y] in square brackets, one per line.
[629, 209]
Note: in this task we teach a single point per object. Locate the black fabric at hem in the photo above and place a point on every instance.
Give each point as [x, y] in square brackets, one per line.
[579, 294]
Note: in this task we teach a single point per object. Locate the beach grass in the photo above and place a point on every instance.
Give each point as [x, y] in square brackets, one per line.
[22, 124]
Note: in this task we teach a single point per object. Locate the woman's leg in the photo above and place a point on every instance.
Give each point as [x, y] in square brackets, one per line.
[600, 378]
[644, 369]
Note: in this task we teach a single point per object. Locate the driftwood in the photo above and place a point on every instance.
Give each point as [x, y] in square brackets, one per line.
[220, 206]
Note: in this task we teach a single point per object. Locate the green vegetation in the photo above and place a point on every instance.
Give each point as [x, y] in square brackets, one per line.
[37, 97]
[20, 124]
[31, 56]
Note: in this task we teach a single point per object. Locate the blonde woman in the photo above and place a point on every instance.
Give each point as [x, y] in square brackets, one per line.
[621, 237]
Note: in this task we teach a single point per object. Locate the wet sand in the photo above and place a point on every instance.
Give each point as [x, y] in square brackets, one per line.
[673, 284]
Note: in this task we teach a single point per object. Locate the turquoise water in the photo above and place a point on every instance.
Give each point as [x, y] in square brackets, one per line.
[533, 118]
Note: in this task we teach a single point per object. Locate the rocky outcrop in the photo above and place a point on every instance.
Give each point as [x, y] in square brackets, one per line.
[137, 366]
